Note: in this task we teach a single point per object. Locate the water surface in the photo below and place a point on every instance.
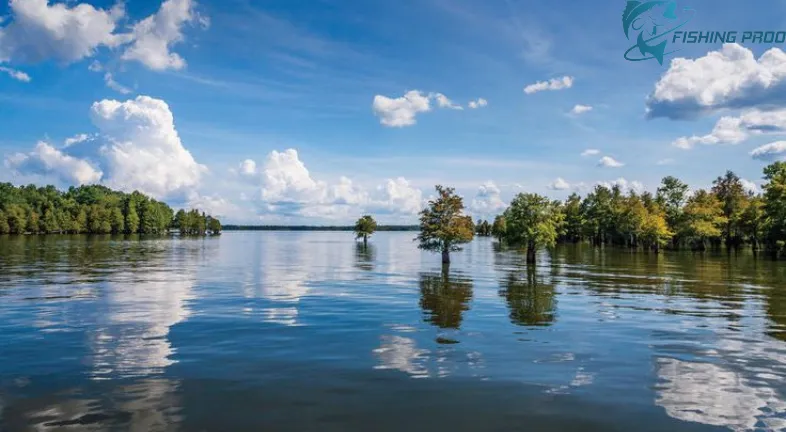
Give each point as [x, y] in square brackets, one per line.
[307, 331]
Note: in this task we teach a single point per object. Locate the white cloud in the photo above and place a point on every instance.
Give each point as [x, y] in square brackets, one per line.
[248, 167]
[76, 139]
[95, 66]
[559, 184]
[480, 103]
[142, 149]
[734, 130]
[154, 36]
[749, 186]
[68, 33]
[397, 196]
[609, 162]
[15, 74]
[580, 109]
[625, 185]
[288, 189]
[400, 112]
[770, 152]
[114, 85]
[45, 159]
[590, 152]
[40, 31]
[729, 78]
[488, 200]
[565, 82]
[213, 205]
[444, 102]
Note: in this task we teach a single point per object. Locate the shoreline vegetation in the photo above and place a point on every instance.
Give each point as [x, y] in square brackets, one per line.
[674, 217]
[94, 210]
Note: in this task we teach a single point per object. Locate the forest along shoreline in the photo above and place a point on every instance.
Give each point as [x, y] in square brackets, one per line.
[731, 213]
[94, 209]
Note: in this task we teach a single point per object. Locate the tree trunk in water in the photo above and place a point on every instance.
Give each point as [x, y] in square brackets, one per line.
[445, 257]
[657, 248]
[365, 240]
[530, 255]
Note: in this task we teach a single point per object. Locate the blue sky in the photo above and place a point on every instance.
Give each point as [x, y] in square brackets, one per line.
[173, 97]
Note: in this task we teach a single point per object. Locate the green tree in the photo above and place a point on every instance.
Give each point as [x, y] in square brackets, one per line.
[532, 221]
[672, 196]
[4, 227]
[132, 217]
[703, 219]
[443, 227]
[775, 204]
[753, 222]
[214, 226]
[573, 228]
[49, 223]
[364, 228]
[732, 195]
[499, 227]
[17, 219]
[117, 221]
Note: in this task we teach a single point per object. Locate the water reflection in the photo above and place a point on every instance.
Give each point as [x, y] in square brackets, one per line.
[444, 297]
[710, 394]
[401, 353]
[365, 257]
[530, 297]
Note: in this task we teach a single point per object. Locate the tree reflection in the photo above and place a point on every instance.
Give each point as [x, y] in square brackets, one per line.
[530, 297]
[444, 298]
[365, 256]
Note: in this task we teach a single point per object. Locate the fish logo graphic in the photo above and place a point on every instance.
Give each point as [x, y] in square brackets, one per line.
[653, 20]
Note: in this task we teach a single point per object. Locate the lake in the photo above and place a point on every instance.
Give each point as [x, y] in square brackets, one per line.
[307, 331]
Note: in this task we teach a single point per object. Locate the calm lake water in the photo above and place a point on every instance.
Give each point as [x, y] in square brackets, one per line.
[306, 331]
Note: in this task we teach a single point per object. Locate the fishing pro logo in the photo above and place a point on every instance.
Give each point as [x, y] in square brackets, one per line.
[653, 21]
[655, 26]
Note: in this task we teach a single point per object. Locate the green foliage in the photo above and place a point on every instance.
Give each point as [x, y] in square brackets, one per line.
[87, 209]
[734, 199]
[499, 227]
[573, 227]
[775, 204]
[703, 219]
[532, 221]
[443, 227]
[365, 227]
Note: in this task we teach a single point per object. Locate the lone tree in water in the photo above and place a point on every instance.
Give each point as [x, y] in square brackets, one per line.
[364, 227]
[443, 227]
[532, 221]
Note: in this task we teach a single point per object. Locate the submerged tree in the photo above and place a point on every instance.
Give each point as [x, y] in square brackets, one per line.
[775, 204]
[532, 221]
[443, 226]
[703, 219]
[499, 227]
[365, 227]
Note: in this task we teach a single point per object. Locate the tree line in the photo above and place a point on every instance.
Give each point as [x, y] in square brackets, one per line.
[673, 217]
[93, 209]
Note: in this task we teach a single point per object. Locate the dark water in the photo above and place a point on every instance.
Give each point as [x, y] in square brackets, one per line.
[304, 331]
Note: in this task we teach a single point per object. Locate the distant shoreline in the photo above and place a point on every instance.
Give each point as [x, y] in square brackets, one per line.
[314, 228]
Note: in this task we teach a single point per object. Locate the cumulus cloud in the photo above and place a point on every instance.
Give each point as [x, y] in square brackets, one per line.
[770, 152]
[136, 148]
[590, 152]
[480, 103]
[565, 82]
[288, 188]
[67, 33]
[444, 102]
[729, 78]
[734, 130]
[559, 184]
[16, 74]
[401, 111]
[580, 109]
[609, 162]
[47, 160]
[488, 200]
[154, 36]
[142, 148]
[40, 31]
